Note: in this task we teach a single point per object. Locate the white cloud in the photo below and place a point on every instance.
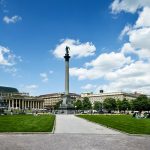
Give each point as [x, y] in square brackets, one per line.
[127, 49]
[124, 31]
[122, 71]
[7, 58]
[103, 64]
[77, 49]
[134, 76]
[128, 5]
[44, 77]
[144, 18]
[12, 19]
[89, 87]
[131, 78]
[31, 86]
[108, 61]
[139, 38]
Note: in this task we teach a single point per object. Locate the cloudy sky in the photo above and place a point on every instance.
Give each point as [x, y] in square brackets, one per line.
[109, 42]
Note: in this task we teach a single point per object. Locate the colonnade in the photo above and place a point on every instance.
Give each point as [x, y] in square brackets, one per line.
[24, 104]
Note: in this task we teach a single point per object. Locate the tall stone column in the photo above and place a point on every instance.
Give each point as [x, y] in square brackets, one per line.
[13, 103]
[67, 57]
[38, 105]
[33, 104]
[9, 103]
[16, 103]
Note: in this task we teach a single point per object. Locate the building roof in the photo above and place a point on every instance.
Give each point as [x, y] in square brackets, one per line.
[109, 94]
[8, 89]
[58, 94]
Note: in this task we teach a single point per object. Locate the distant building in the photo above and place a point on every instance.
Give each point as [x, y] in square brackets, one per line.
[50, 100]
[16, 100]
[116, 95]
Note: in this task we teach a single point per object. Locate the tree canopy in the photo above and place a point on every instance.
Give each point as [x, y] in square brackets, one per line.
[109, 104]
[78, 104]
[97, 105]
[86, 103]
[141, 103]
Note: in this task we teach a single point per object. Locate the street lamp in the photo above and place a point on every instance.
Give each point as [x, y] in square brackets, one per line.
[75, 109]
[92, 108]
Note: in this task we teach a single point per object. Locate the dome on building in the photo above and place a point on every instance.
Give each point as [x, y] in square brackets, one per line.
[8, 89]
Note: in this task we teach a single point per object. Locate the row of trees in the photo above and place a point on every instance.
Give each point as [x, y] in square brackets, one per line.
[142, 103]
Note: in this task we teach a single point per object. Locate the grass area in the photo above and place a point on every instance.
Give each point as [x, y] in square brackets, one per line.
[121, 122]
[26, 123]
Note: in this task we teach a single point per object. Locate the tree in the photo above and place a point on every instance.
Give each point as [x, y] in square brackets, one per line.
[125, 105]
[141, 103]
[109, 104]
[78, 105]
[97, 105]
[119, 105]
[86, 103]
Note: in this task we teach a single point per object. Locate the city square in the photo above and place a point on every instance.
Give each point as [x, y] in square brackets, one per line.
[74, 75]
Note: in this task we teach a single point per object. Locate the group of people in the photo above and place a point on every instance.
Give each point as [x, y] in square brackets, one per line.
[141, 115]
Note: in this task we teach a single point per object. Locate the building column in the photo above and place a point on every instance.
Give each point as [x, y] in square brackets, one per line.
[28, 105]
[33, 104]
[9, 103]
[24, 104]
[16, 103]
[13, 103]
[38, 105]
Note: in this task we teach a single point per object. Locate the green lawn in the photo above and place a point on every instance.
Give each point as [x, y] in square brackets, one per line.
[26, 123]
[121, 122]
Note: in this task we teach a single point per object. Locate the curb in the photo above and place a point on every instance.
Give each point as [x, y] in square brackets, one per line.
[52, 132]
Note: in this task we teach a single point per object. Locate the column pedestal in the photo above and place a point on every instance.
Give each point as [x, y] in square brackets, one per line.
[67, 106]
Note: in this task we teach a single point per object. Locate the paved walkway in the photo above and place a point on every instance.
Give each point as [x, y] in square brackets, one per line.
[73, 142]
[73, 124]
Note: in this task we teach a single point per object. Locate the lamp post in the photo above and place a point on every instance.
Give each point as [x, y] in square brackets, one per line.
[92, 108]
[75, 108]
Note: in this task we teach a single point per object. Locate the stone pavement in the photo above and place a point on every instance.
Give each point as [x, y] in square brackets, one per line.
[73, 142]
[73, 124]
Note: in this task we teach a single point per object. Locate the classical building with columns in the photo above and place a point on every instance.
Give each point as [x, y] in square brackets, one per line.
[22, 101]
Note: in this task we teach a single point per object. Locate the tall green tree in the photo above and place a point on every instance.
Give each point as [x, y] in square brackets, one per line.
[78, 105]
[125, 105]
[97, 105]
[86, 103]
[141, 103]
[109, 104]
[119, 105]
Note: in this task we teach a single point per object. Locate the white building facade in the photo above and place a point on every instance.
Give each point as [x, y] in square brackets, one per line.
[116, 95]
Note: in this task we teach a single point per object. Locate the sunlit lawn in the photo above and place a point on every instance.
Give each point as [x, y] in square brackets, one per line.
[121, 122]
[26, 123]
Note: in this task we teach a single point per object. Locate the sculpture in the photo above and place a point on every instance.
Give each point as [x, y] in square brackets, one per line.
[67, 50]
